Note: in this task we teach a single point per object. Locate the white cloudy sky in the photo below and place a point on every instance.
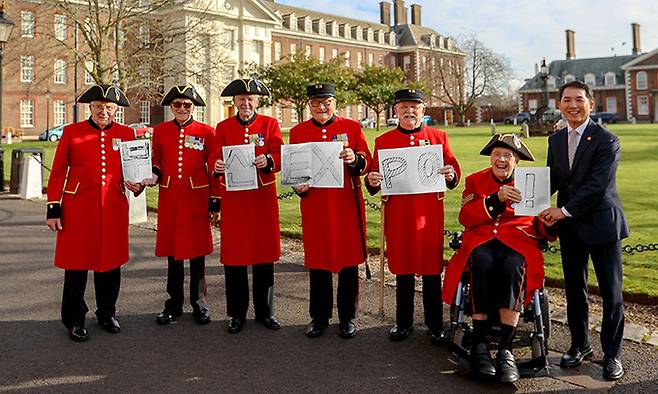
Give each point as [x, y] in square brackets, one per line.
[525, 31]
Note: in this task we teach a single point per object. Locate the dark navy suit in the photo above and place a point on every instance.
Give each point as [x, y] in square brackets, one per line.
[588, 191]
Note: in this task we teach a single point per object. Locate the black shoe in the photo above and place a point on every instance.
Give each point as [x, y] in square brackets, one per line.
[437, 337]
[201, 316]
[506, 366]
[235, 325]
[78, 334]
[347, 329]
[269, 322]
[316, 328]
[398, 333]
[166, 317]
[575, 356]
[481, 360]
[612, 369]
[111, 325]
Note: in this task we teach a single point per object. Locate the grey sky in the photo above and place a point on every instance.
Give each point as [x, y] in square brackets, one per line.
[525, 31]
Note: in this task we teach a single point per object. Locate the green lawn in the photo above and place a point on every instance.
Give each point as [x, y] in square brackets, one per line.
[637, 172]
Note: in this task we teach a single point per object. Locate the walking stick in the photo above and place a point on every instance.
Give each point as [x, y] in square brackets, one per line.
[382, 241]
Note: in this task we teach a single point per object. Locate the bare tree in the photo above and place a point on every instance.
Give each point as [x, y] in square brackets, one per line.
[483, 73]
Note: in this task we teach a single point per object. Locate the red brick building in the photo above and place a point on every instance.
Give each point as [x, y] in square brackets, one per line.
[642, 77]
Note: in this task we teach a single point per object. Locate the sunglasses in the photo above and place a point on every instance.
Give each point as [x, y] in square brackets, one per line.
[178, 104]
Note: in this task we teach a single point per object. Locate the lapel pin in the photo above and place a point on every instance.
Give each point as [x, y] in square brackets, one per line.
[589, 138]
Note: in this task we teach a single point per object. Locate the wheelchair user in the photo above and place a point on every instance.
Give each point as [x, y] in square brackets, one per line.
[503, 251]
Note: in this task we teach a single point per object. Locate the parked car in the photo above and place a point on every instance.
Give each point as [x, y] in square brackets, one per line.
[142, 130]
[521, 117]
[606, 117]
[551, 115]
[427, 120]
[53, 134]
[368, 123]
[392, 121]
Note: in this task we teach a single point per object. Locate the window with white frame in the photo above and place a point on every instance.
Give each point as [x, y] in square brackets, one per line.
[200, 114]
[322, 27]
[119, 116]
[27, 68]
[392, 61]
[532, 105]
[308, 25]
[569, 78]
[359, 60]
[371, 58]
[144, 112]
[59, 111]
[60, 27]
[144, 36]
[551, 103]
[27, 113]
[641, 80]
[89, 68]
[308, 51]
[550, 82]
[643, 105]
[611, 104]
[321, 55]
[279, 113]
[293, 49]
[227, 39]
[60, 71]
[590, 79]
[277, 51]
[610, 79]
[406, 63]
[334, 53]
[256, 52]
[359, 109]
[293, 114]
[27, 24]
[347, 58]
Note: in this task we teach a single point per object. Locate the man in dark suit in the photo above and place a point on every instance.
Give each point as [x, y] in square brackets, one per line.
[583, 158]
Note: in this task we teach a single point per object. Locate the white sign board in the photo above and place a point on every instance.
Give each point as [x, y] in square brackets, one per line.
[136, 160]
[31, 181]
[535, 186]
[316, 164]
[239, 169]
[412, 170]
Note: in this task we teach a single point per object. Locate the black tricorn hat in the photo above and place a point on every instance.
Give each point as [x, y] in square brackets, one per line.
[110, 93]
[409, 95]
[509, 141]
[188, 91]
[321, 90]
[246, 86]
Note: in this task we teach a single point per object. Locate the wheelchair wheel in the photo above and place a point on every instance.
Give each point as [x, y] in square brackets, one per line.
[545, 315]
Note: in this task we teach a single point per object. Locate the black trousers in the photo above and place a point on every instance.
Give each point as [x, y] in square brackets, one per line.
[175, 284]
[74, 308]
[432, 304]
[497, 273]
[322, 293]
[237, 290]
[606, 259]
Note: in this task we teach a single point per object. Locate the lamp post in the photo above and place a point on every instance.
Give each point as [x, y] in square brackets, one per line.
[543, 73]
[6, 26]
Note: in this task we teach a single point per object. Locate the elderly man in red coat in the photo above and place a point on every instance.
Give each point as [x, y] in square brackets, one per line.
[188, 199]
[250, 218]
[502, 250]
[88, 208]
[333, 218]
[414, 222]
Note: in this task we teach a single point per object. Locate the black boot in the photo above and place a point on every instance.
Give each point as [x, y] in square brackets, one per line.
[506, 365]
[481, 360]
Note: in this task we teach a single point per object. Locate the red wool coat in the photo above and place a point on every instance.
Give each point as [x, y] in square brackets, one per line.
[186, 185]
[86, 178]
[521, 233]
[250, 218]
[414, 223]
[330, 221]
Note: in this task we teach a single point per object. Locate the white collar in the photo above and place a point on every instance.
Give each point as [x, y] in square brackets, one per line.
[580, 129]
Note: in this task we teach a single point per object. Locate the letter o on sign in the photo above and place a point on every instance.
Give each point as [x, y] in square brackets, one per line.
[428, 168]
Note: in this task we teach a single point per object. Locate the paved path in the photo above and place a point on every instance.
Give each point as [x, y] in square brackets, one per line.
[37, 356]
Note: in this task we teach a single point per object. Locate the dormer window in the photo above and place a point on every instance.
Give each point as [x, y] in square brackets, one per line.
[590, 79]
[550, 82]
[610, 79]
[569, 78]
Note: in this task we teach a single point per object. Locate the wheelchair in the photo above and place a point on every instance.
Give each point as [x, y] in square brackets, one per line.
[536, 314]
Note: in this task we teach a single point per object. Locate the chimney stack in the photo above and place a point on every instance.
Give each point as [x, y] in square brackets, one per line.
[385, 13]
[399, 12]
[415, 14]
[571, 44]
[636, 38]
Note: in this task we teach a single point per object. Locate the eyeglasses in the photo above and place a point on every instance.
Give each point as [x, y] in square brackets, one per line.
[414, 108]
[107, 107]
[178, 104]
[319, 103]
